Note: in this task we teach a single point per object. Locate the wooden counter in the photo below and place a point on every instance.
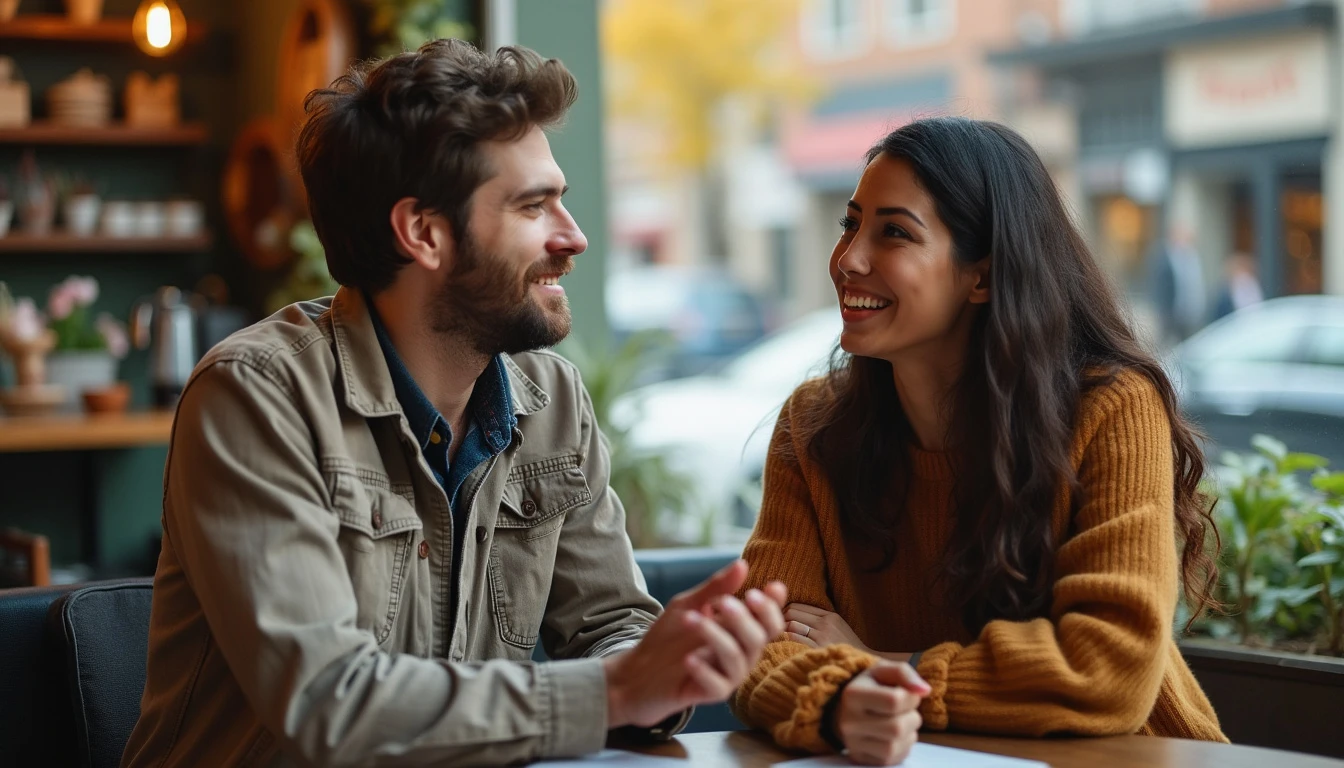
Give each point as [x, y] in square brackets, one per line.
[82, 432]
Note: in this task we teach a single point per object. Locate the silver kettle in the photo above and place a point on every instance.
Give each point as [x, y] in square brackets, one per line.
[167, 323]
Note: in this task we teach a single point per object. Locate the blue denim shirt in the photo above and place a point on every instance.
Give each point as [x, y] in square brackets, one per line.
[489, 430]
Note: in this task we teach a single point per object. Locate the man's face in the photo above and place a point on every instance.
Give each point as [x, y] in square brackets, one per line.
[504, 289]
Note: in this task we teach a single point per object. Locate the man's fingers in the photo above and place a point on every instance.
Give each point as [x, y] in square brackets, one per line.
[728, 656]
[727, 581]
[715, 685]
[767, 613]
[899, 673]
[737, 619]
[776, 591]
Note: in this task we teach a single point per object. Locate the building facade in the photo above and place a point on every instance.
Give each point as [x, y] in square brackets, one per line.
[1207, 121]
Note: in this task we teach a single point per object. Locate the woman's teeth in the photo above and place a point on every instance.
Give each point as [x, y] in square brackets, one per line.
[864, 302]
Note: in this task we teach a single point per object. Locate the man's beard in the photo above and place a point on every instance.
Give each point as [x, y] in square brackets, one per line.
[483, 302]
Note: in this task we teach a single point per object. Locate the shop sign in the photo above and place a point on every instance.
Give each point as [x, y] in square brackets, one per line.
[1249, 91]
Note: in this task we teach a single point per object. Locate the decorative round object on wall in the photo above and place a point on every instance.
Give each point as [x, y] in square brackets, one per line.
[318, 45]
[259, 198]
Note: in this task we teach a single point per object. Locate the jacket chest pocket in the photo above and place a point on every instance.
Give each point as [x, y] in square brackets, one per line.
[379, 530]
[527, 533]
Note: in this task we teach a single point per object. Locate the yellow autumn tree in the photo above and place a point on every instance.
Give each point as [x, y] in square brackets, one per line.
[671, 63]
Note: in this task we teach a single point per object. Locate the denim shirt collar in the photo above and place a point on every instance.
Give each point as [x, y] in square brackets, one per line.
[491, 401]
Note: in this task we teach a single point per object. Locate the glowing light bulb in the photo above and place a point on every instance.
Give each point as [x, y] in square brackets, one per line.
[159, 27]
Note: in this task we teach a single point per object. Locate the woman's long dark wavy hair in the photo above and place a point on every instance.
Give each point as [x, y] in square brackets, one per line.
[1052, 330]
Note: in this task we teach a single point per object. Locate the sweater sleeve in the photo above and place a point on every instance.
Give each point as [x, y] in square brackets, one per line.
[787, 690]
[1095, 666]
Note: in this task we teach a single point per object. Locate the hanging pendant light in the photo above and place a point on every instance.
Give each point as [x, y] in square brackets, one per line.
[159, 27]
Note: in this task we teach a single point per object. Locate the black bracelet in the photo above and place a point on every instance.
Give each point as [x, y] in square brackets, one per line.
[828, 713]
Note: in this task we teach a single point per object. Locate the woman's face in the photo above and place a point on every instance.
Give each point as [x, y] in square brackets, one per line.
[901, 290]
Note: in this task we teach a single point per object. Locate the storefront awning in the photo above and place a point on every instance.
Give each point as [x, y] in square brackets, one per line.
[1153, 39]
[830, 149]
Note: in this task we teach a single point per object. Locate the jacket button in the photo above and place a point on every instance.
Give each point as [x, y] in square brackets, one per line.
[481, 534]
[377, 520]
[424, 549]
[529, 508]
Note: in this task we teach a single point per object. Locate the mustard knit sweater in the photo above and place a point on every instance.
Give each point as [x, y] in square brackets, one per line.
[1104, 662]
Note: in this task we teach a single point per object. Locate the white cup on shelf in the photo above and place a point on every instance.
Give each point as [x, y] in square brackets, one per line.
[150, 219]
[185, 218]
[81, 214]
[119, 219]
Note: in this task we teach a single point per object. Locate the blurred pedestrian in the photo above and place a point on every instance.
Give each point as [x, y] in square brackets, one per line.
[1178, 285]
[1241, 287]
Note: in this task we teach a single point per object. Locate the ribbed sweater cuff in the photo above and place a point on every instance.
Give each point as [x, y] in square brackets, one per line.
[795, 693]
[933, 667]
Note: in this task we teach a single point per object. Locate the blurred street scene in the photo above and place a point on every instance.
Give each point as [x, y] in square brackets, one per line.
[1197, 142]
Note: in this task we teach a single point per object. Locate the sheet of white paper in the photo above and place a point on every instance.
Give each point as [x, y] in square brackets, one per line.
[929, 756]
[611, 758]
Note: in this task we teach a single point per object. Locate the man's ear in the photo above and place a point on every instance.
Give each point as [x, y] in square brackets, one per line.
[980, 291]
[421, 234]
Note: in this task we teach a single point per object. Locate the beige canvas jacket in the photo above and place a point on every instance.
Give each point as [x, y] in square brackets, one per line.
[299, 613]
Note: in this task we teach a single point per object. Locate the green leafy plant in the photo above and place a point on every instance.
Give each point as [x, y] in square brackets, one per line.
[1281, 518]
[648, 486]
[1321, 533]
[404, 25]
[308, 278]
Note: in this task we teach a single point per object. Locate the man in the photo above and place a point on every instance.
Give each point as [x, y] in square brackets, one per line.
[377, 504]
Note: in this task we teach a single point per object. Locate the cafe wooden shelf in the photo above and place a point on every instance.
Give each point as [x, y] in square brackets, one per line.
[82, 432]
[61, 242]
[59, 28]
[115, 135]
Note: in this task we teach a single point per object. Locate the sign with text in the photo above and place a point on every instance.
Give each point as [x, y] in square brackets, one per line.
[1249, 91]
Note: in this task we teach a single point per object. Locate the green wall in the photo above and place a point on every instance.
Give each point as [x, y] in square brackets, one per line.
[568, 30]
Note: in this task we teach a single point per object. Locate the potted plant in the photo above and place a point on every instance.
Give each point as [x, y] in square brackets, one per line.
[404, 25]
[87, 350]
[1272, 662]
[81, 207]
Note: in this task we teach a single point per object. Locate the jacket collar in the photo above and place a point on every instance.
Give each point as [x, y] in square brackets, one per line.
[366, 386]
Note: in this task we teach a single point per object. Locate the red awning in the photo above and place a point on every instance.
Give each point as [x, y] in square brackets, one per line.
[838, 143]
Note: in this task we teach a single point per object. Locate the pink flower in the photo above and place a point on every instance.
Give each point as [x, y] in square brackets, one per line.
[114, 335]
[61, 302]
[71, 293]
[26, 322]
[85, 289]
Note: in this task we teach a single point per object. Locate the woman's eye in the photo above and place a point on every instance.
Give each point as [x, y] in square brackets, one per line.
[848, 224]
[891, 230]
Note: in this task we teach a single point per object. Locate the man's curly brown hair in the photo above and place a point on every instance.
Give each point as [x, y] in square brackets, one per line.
[411, 126]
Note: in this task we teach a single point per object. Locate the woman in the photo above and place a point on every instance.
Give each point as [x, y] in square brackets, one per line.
[994, 484]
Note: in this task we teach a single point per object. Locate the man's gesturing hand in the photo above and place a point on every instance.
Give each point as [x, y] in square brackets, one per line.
[697, 652]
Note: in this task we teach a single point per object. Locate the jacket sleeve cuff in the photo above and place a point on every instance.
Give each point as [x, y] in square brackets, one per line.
[933, 667]
[573, 707]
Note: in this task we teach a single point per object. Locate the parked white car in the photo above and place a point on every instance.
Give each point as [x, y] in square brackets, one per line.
[716, 427]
